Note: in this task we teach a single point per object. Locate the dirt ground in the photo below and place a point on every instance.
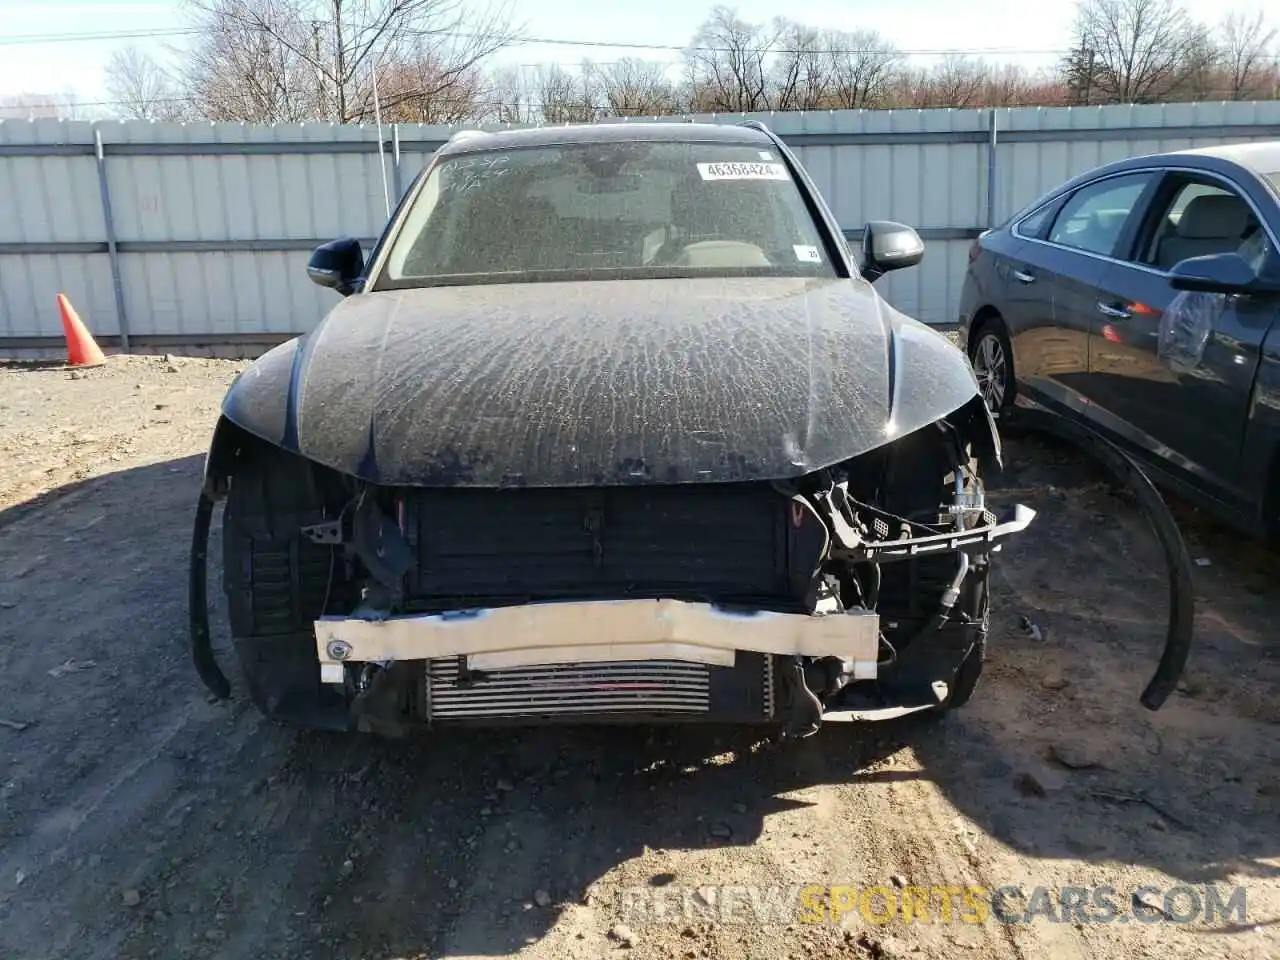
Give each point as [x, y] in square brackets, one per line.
[139, 819]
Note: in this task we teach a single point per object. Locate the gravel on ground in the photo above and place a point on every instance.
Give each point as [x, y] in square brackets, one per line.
[138, 819]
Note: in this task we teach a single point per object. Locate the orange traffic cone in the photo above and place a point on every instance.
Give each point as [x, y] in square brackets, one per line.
[82, 351]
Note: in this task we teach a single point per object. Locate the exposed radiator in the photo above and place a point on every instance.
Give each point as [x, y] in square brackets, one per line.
[727, 542]
[649, 686]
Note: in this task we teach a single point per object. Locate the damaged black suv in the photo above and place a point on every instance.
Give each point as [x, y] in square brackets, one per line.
[611, 428]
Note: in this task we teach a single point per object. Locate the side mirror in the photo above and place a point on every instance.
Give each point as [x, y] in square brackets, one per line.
[337, 265]
[889, 246]
[1215, 273]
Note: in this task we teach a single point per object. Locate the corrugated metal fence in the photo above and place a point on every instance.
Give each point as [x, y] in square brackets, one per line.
[172, 235]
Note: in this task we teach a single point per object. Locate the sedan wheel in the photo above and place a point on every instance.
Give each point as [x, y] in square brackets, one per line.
[991, 365]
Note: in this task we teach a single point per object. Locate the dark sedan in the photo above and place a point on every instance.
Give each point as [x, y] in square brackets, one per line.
[1143, 298]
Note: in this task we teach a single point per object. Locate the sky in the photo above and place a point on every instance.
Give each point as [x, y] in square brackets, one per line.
[1027, 31]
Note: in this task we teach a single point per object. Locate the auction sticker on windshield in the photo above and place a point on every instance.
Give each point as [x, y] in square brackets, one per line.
[743, 171]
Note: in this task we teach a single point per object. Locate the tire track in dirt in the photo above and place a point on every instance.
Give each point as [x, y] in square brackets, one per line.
[543, 845]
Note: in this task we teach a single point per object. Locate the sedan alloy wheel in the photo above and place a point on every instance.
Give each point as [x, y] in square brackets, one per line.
[991, 365]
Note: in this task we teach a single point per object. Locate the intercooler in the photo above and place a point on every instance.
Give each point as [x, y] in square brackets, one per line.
[654, 688]
[646, 686]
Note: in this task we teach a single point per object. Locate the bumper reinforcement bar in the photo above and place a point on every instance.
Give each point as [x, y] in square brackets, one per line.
[595, 632]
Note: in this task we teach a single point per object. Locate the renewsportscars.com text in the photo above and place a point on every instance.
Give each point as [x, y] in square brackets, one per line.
[970, 904]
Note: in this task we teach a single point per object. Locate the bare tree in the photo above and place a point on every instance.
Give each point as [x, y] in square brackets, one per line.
[956, 81]
[250, 71]
[1243, 45]
[141, 89]
[1201, 77]
[419, 91]
[511, 97]
[292, 60]
[802, 68]
[862, 68]
[635, 88]
[315, 58]
[726, 64]
[565, 97]
[1007, 85]
[1141, 50]
[1046, 88]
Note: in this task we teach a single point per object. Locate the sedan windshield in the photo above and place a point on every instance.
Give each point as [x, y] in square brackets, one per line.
[606, 210]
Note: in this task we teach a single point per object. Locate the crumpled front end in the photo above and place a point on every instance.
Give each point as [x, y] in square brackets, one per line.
[854, 592]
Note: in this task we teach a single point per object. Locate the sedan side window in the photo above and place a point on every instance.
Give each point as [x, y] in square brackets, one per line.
[1095, 216]
[1204, 218]
[1033, 224]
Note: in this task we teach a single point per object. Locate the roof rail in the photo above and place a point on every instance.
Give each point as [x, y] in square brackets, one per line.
[468, 134]
[756, 125]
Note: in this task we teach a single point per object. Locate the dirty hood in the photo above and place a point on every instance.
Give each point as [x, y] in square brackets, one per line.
[612, 382]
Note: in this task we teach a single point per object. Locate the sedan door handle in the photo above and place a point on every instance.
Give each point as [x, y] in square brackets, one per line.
[1023, 277]
[1117, 313]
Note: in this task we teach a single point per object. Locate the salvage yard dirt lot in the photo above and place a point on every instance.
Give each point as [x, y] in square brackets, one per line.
[138, 819]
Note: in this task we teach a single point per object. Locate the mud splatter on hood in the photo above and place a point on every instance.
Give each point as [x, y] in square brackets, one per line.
[610, 382]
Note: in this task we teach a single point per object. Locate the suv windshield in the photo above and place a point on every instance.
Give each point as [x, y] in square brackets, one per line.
[606, 210]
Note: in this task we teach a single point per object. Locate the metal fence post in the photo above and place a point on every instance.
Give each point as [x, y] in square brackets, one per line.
[113, 254]
[395, 160]
[992, 143]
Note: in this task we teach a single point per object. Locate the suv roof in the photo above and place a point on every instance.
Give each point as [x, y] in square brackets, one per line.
[605, 133]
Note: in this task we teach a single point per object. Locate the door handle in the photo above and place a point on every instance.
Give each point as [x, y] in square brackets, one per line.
[1117, 313]
[1023, 277]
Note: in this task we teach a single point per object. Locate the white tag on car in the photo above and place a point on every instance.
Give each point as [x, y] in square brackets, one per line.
[807, 254]
[743, 171]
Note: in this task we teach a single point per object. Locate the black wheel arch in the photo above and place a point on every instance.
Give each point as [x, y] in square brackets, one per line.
[228, 441]
[983, 317]
[230, 449]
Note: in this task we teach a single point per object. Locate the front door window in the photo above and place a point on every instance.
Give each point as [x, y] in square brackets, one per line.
[1202, 219]
[1093, 220]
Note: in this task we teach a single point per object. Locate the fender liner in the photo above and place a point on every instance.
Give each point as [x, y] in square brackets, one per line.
[229, 439]
[201, 645]
[1178, 636]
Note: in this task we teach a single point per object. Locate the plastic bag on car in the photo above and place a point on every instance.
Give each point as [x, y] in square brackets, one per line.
[1186, 327]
